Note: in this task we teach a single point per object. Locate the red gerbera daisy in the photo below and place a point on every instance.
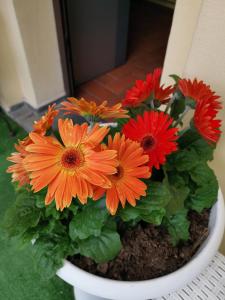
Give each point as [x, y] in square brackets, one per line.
[194, 89]
[153, 132]
[207, 106]
[137, 94]
[198, 90]
[159, 92]
[144, 88]
[205, 122]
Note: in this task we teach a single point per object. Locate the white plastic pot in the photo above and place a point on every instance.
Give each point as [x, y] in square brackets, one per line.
[91, 287]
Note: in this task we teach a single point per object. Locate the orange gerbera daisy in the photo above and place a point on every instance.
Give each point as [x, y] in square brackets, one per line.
[19, 173]
[46, 121]
[18, 170]
[126, 185]
[90, 108]
[70, 169]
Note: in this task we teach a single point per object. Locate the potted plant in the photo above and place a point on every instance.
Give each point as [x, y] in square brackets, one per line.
[130, 211]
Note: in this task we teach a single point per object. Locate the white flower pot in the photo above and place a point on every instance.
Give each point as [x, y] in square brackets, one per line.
[91, 287]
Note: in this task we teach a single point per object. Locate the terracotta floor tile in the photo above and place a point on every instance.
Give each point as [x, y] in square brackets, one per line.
[96, 89]
[106, 79]
[83, 93]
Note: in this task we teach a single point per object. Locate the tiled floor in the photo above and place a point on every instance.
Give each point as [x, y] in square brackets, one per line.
[148, 35]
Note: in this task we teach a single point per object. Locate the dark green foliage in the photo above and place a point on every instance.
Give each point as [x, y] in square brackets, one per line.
[191, 182]
[175, 77]
[87, 222]
[190, 102]
[151, 208]
[49, 254]
[206, 190]
[87, 230]
[178, 226]
[178, 106]
[184, 160]
[22, 215]
[102, 248]
[18, 279]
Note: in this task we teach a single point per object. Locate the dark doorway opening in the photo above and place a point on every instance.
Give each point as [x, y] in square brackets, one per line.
[146, 40]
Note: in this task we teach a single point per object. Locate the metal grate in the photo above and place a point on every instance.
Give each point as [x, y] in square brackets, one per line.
[209, 285]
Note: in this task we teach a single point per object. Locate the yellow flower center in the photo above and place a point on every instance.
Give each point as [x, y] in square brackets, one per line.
[72, 158]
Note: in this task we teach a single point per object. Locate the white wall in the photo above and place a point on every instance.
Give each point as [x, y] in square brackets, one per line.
[30, 67]
[197, 49]
[185, 20]
[11, 49]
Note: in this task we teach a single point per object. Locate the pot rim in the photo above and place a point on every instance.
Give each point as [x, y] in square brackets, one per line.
[206, 251]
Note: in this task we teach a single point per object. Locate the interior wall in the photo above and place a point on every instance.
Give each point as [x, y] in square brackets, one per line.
[197, 49]
[185, 20]
[38, 30]
[10, 84]
[30, 67]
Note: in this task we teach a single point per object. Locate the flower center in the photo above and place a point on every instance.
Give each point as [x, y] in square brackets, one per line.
[118, 174]
[71, 158]
[147, 143]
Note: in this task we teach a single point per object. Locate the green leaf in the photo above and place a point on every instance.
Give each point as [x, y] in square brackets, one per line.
[39, 201]
[155, 216]
[73, 208]
[22, 215]
[129, 213]
[87, 222]
[203, 149]
[111, 224]
[40, 198]
[185, 160]
[204, 196]
[190, 102]
[188, 137]
[178, 226]
[175, 77]
[201, 174]
[177, 107]
[179, 195]
[26, 238]
[177, 184]
[150, 208]
[205, 192]
[102, 248]
[51, 211]
[49, 255]
[52, 228]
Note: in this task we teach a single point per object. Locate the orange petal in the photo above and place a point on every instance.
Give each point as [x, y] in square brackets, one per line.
[112, 200]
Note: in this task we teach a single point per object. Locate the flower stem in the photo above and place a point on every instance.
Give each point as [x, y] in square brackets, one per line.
[169, 105]
[181, 117]
[152, 104]
[145, 105]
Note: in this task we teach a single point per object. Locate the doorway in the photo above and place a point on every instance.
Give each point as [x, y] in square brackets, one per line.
[146, 27]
